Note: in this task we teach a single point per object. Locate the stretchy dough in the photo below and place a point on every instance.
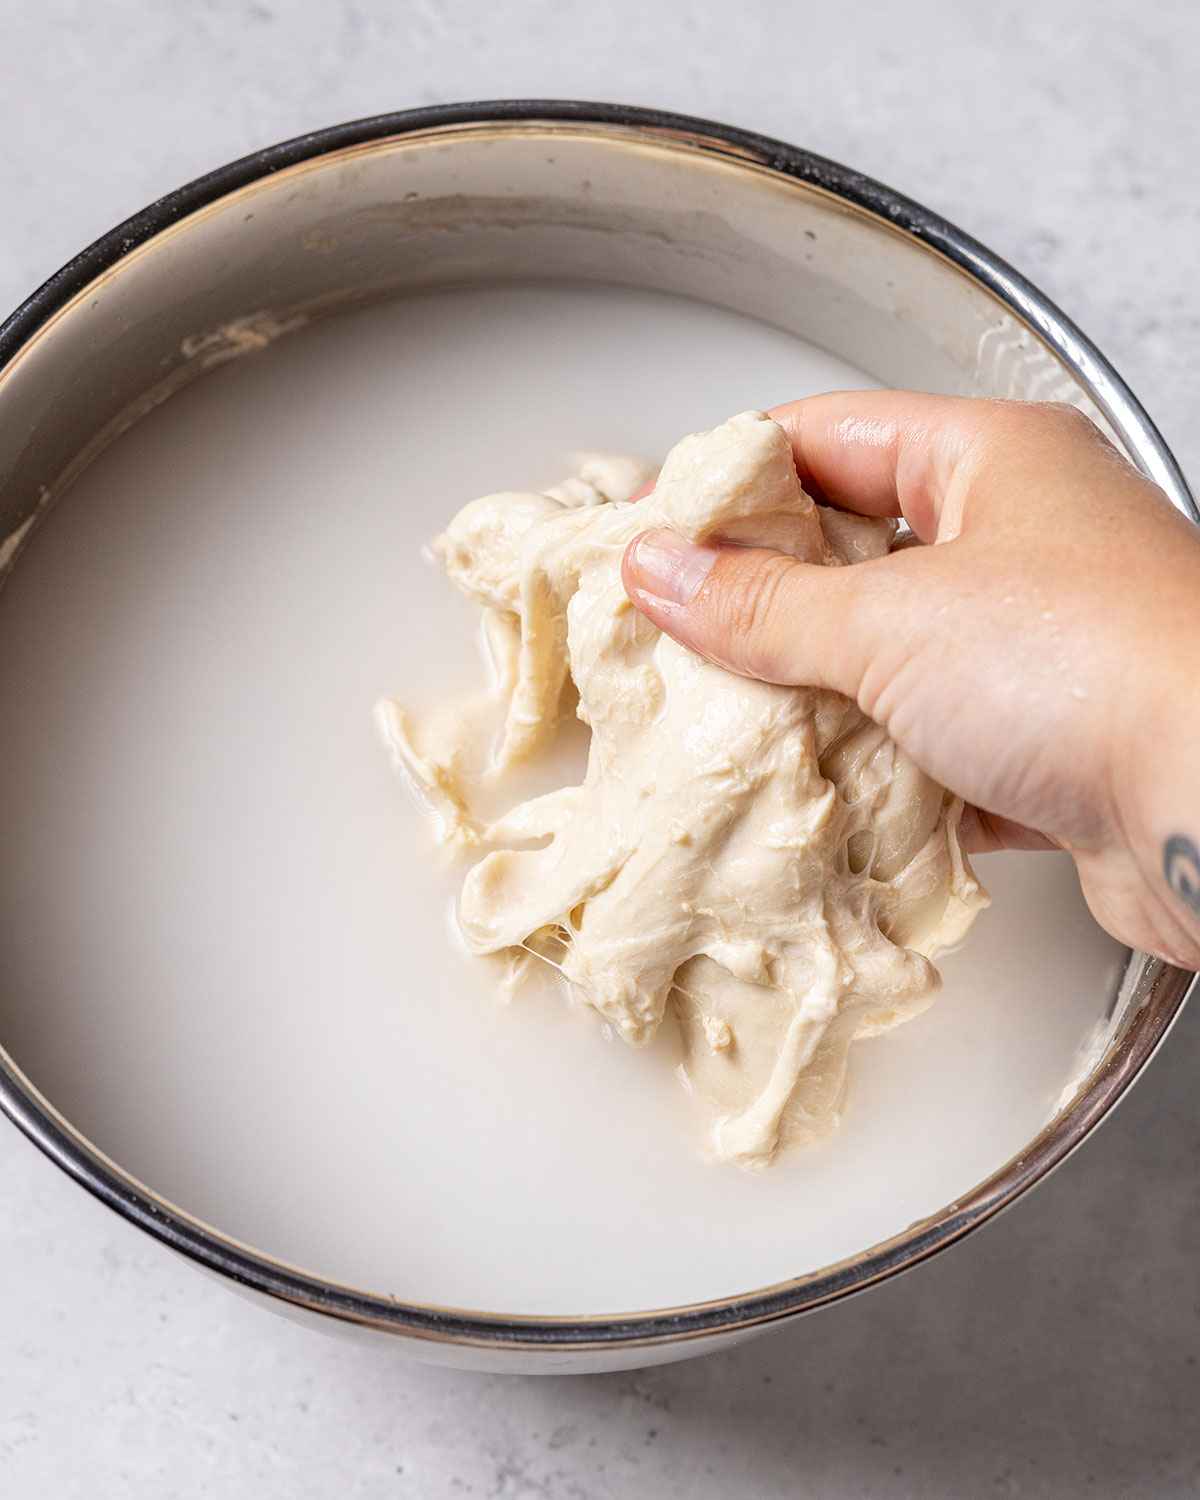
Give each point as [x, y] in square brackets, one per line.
[761, 860]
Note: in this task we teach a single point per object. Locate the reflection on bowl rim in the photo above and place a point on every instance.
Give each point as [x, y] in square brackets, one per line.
[1163, 988]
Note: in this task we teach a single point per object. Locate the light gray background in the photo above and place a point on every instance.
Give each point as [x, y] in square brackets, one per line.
[1054, 1354]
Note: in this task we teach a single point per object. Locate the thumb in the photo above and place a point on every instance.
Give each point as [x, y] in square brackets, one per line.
[763, 614]
[758, 612]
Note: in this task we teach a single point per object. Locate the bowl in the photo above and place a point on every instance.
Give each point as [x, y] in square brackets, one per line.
[361, 214]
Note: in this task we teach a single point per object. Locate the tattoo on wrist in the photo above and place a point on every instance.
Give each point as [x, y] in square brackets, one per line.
[1181, 866]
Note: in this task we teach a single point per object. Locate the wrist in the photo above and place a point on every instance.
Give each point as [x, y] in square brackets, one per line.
[1156, 793]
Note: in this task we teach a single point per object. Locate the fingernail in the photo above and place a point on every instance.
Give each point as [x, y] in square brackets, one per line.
[669, 567]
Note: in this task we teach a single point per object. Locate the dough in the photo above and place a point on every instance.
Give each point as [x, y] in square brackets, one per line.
[762, 861]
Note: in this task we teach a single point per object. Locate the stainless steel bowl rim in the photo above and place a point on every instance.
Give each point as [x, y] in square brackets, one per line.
[258, 1272]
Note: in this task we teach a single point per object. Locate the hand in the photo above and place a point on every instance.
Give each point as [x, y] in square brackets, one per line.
[1039, 654]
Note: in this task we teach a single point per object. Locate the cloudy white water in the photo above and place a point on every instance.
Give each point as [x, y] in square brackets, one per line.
[225, 929]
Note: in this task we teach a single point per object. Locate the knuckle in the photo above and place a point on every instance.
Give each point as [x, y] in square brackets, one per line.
[1069, 419]
[1031, 428]
[1058, 417]
[1071, 426]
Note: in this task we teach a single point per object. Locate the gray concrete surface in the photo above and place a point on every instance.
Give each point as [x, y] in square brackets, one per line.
[1055, 1354]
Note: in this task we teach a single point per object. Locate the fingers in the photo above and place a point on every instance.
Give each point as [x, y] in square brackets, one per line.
[757, 612]
[882, 453]
[935, 460]
[951, 466]
[940, 461]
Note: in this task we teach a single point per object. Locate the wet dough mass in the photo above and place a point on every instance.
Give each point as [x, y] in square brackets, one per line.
[762, 860]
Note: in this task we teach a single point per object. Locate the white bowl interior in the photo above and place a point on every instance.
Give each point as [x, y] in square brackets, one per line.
[227, 955]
